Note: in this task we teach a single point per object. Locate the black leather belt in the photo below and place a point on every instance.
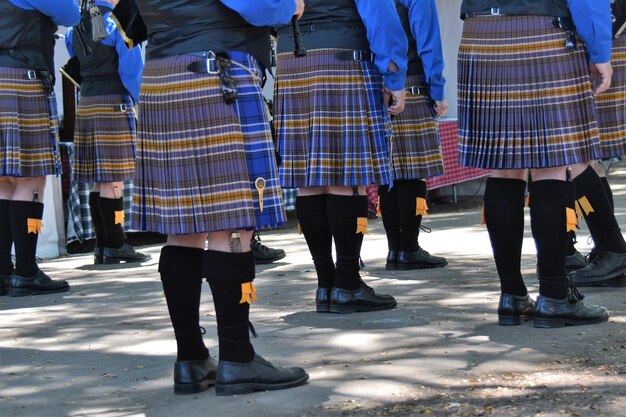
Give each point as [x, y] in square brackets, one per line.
[355, 56]
[219, 64]
[494, 11]
[206, 66]
[47, 80]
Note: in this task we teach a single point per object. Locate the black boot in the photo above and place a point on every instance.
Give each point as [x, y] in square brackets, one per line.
[116, 250]
[574, 259]
[390, 213]
[264, 254]
[311, 213]
[27, 278]
[411, 196]
[98, 227]
[346, 215]
[240, 369]
[181, 276]
[6, 242]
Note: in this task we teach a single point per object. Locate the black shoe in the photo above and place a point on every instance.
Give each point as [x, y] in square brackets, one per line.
[5, 284]
[604, 267]
[515, 309]
[39, 283]
[571, 311]
[257, 375]
[419, 259]
[575, 261]
[124, 253]
[194, 376]
[392, 260]
[263, 254]
[322, 299]
[362, 299]
[98, 255]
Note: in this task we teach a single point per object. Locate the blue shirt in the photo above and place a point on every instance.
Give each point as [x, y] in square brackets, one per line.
[130, 64]
[386, 38]
[593, 24]
[62, 12]
[263, 12]
[424, 20]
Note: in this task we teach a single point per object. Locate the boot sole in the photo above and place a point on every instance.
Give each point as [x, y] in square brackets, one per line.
[22, 292]
[410, 267]
[269, 261]
[391, 267]
[513, 320]
[193, 388]
[546, 323]
[322, 308]
[347, 309]
[619, 281]
[250, 387]
[596, 280]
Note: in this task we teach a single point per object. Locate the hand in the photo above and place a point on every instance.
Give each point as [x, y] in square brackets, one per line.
[299, 9]
[600, 76]
[395, 100]
[441, 107]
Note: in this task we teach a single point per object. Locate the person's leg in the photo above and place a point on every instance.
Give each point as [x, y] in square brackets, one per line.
[25, 213]
[313, 220]
[229, 270]
[347, 216]
[111, 207]
[98, 224]
[412, 206]
[7, 187]
[181, 270]
[504, 217]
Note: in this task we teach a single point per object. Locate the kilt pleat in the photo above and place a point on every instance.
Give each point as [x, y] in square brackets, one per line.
[104, 147]
[193, 172]
[330, 121]
[611, 106]
[415, 144]
[524, 100]
[30, 127]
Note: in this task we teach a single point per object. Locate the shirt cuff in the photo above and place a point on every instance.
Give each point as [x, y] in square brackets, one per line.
[395, 80]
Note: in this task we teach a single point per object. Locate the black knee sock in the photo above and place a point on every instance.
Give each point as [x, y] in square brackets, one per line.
[608, 191]
[408, 193]
[344, 213]
[571, 241]
[504, 215]
[96, 219]
[6, 239]
[549, 200]
[226, 272]
[390, 212]
[181, 275]
[601, 221]
[113, 231]
[25, 216]
[311, 213]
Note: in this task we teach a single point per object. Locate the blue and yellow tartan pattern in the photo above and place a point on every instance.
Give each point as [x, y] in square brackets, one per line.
[197, 156]
[104, 139]
[416, 147]
[332, 127]
[29, 123]
[611, 105]
[525, 101]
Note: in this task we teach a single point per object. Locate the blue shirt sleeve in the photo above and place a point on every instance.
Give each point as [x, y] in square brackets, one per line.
[425, 29]
[386, 38]
[130, 61]
[263, 12]
[69, 43]
[593, 24]
[62, 12]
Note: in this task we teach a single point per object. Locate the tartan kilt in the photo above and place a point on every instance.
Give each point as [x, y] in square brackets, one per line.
[524, 100]
[611, 105]
[29, 139]
[415, 144]
[104, 139]
[332, 127]
[198, 157]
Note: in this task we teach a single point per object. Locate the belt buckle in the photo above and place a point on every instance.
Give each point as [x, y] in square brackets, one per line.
[495, 11]
[123, 107]
[416, 91]
[357, 55]
[30, 75]
[210, 63]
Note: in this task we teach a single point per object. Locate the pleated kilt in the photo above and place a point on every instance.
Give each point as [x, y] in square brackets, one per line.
[415, 144]
[330, 121]
[104, 139]
[29, 139]
[524, 100]
[198, 157]
[611, 105]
